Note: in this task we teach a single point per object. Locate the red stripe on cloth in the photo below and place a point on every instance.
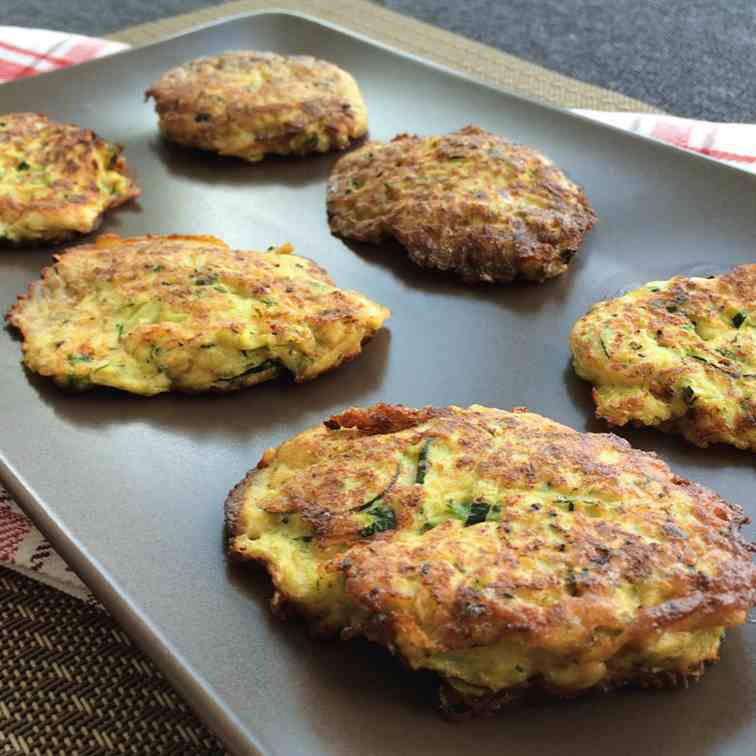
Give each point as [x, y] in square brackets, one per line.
[13, 529]
[724, 155]
[675, 133]
[84, 50]
[10, 70]
[679, 135]
[37, 55]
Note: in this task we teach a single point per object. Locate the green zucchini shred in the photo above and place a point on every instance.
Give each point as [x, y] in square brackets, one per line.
[422, 462]
[74, 359]
[384, 518]
[259, 368]
[478, 513]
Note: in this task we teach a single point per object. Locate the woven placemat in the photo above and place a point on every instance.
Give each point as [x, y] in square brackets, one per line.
[71, 682]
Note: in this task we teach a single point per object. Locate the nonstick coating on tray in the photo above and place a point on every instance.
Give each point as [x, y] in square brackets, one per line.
[131, 490]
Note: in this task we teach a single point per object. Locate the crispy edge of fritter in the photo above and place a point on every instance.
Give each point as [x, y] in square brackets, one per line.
[232, 510]
[456, 706]
[12, 317]
[690, 428]
[453, 703]
[53, 207]
[474, 256]
[341, 120]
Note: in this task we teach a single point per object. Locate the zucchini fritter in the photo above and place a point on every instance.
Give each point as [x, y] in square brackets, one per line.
[468, 202]
[250, 104]
[158, 313]
[677, 354]
[499, 549]
[56, 179]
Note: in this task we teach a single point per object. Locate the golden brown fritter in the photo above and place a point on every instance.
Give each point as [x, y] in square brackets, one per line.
[501, 550]
[56, 179]
[250, 104]
[677, 354]
[158, 313]
[469, 202]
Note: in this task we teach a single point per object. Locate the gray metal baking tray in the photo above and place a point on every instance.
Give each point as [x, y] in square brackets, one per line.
[131, 490]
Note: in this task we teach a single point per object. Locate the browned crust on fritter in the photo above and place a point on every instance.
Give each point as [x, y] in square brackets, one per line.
[381, 418]
[674, 316]
[203, 104]
[232, 508]
[551, 452]
[69, 149]
[469, 202]
[130, 260]
[652, 531]
[456, 706]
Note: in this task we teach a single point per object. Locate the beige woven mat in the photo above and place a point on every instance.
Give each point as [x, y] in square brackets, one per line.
[70, 680]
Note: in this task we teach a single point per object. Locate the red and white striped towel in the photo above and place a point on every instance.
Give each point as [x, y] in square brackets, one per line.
[731, 143]
[27, 52]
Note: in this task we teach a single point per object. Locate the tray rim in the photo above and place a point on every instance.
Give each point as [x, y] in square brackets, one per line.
[207, 705]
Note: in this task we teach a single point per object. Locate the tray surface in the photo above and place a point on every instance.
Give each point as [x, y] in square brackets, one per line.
[131, 490]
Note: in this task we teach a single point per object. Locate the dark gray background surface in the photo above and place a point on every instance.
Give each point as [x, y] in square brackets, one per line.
[689, 57]
[130, 490]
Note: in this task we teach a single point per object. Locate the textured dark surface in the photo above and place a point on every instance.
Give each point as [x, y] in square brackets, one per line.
[79, 16]
[72, 682]
[688, 57]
